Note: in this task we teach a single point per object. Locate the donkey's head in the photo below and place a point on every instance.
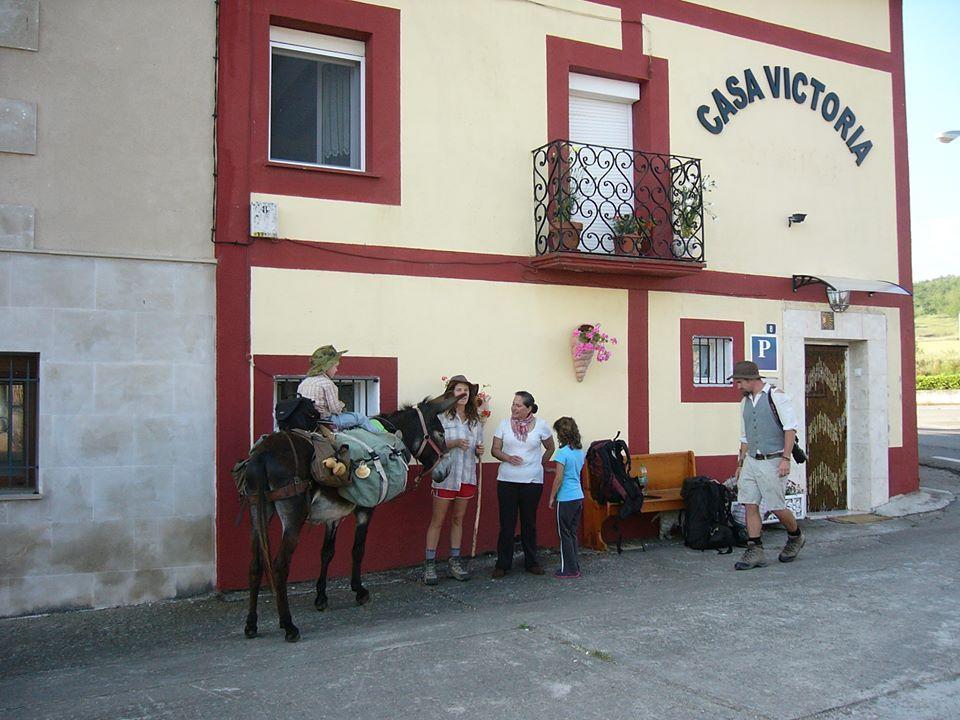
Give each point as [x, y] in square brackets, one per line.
[423, 433]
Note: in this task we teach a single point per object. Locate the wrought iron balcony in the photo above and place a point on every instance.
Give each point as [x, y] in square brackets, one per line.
[591, 200]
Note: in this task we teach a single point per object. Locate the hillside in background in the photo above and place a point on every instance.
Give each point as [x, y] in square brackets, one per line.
[940, 296]
[936, 304]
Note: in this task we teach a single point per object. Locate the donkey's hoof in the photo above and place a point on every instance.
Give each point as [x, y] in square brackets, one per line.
[250, 631]
[292, 634]
[320, 603]
[363, 596]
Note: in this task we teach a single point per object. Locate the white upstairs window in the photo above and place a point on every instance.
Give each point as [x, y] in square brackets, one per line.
[316, 99]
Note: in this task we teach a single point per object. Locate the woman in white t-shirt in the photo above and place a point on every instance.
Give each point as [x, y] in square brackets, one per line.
[523, 444]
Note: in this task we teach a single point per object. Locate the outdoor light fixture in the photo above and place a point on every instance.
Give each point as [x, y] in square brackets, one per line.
[796, 218]
[948, 136]
[839, 300]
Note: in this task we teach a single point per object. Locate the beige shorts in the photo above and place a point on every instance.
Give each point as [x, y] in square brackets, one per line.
[760, 480]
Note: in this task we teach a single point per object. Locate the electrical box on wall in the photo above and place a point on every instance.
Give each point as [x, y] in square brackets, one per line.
[264, 219]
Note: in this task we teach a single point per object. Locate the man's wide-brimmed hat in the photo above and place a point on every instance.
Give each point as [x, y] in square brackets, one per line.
[745, 370]
[324, 358]
[457, 380]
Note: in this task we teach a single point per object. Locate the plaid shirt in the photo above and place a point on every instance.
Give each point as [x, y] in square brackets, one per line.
[323, 392]
[463, 463]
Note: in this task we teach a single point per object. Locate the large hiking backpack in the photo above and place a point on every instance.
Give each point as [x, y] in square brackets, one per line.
[610, 481]
[296, 413]
[706, 520]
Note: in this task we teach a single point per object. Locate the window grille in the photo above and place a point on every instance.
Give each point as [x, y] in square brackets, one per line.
[19, 386]
[360, 395]
[712, 361]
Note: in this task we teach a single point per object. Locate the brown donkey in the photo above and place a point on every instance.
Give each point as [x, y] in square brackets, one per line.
[277, 468]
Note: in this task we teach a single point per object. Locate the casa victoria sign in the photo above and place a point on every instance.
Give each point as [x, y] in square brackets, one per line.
[781, 82]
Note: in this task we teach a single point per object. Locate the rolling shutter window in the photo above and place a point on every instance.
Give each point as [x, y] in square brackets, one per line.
[600, 122]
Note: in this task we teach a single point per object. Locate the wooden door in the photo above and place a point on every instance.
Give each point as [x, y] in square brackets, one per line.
[826, 406]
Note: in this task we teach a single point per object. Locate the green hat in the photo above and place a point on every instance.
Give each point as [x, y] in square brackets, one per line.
[745, 370]
[324, 358]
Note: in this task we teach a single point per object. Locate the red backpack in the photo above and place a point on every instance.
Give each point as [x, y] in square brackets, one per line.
[610, 480]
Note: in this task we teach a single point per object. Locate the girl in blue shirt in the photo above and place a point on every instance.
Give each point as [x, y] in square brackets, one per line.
[567, 494]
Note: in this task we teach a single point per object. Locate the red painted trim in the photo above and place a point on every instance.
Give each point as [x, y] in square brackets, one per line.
[638, 371]
[766, 32]
[414, 262]
[715, 328]
[904, 464]
[379, 28]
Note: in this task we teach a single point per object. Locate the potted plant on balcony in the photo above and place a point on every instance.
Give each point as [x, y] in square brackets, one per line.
[689, 209]
[565, 232]
[631, 235]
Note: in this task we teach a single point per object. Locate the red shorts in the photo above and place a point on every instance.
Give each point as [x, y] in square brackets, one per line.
[466, 492]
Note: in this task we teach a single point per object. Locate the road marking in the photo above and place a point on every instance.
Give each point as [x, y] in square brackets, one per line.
[938, 457]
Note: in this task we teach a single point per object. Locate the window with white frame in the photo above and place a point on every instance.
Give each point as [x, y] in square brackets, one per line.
[360, 395]
[712, 360]
[316, 99]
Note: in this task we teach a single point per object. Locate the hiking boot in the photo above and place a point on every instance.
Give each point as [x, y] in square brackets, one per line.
[498, 573]
[457, 570]
[752, 557]
[792, 548]
[430, 572]
[535, 569]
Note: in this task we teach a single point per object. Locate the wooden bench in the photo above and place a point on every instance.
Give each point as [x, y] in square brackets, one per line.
[665, 475]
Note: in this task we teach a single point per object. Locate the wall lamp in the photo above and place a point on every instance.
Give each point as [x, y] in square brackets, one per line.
[838, 300]
[796, 218]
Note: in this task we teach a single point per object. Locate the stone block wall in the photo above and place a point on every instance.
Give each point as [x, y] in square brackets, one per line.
[125, 512]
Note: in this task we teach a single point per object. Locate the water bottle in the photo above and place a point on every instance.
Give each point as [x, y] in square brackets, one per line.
[642, 476]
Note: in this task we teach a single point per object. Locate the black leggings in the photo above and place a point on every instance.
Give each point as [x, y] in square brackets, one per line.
[513, 497]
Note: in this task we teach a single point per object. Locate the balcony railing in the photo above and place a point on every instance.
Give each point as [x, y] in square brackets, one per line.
[611, 201]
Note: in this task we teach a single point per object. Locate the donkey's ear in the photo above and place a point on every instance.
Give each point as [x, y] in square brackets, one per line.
[444, 402]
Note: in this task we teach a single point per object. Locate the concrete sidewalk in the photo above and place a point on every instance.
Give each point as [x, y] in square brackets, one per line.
[864, 624]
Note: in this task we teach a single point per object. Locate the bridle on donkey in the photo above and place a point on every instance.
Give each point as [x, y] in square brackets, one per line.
[424, 444]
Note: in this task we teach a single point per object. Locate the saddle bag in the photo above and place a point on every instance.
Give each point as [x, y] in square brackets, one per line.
[330, 464]
[378, 467]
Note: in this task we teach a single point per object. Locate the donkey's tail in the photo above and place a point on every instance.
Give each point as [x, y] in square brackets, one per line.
[256, 479]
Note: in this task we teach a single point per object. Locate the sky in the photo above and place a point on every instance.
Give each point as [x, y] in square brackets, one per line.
[932, 65]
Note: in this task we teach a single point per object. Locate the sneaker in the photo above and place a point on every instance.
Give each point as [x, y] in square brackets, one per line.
[792, 548]
[457, 570]
[430, 572]
[753, 557]
[561, 575]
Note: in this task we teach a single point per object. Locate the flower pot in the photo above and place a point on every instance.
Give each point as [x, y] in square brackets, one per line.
[564, 235]
[580, 364]
[634, 244]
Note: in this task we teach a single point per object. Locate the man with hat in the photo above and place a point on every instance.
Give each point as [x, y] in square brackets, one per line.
[768, 429]
[318, 386]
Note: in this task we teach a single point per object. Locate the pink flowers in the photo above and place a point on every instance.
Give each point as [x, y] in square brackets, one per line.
[590, 339]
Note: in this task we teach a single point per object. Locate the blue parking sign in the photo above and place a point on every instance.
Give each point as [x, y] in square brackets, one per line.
[763, 348]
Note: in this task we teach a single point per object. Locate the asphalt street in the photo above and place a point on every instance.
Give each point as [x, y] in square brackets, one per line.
[865, 624]
[939, 432]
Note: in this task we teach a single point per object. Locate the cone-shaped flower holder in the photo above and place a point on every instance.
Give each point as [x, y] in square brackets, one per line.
[580, 364]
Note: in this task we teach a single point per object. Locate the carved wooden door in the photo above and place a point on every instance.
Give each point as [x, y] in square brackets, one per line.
[826, 437]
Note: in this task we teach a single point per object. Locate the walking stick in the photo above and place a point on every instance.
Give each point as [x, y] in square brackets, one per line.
[476, 520]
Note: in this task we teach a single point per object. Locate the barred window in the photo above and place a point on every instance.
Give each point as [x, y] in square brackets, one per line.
[712, 361]
[360, 395]
[19, 381]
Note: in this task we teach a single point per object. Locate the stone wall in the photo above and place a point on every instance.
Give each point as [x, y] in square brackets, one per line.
[126, 443]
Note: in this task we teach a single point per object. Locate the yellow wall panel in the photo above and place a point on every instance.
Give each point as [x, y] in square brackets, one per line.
[510, 336]
[776, 157]
[706, 428]
[864, 22]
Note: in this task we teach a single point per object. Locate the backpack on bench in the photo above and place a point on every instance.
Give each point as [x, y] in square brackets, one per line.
[610, 480]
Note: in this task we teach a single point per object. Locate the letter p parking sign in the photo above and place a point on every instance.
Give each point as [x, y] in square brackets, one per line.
[763, 349]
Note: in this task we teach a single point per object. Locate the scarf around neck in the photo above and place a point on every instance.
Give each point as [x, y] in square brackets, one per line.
[522, 427]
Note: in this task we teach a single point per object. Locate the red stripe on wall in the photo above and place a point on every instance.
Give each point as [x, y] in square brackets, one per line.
[638, 370]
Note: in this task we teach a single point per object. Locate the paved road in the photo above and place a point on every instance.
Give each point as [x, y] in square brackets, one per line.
[865, 624]
[939, 433]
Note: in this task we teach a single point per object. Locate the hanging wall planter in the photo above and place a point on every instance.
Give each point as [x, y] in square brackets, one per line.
[587, 341]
